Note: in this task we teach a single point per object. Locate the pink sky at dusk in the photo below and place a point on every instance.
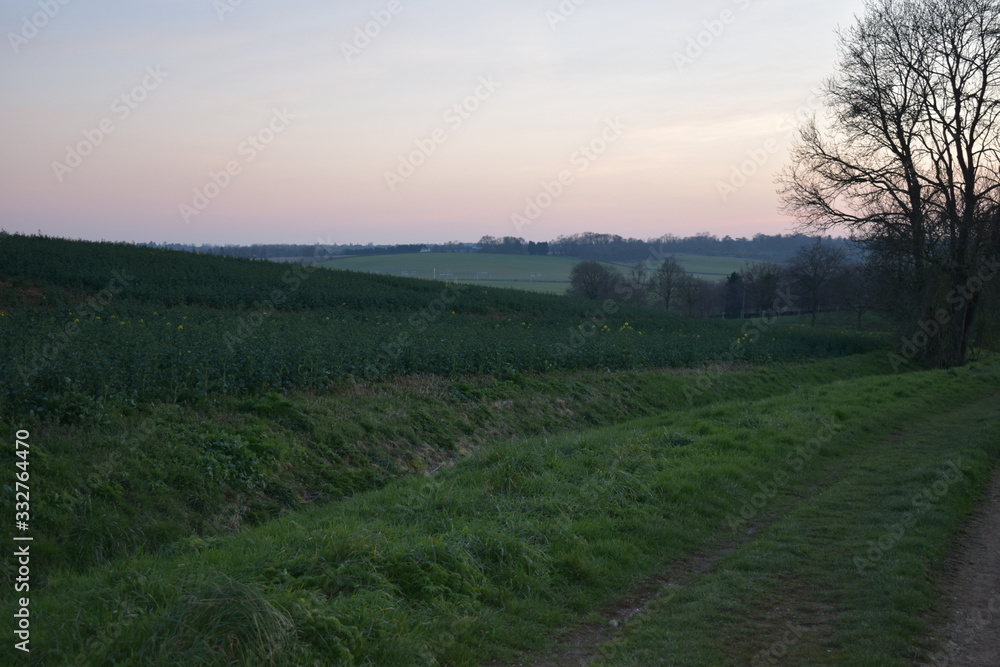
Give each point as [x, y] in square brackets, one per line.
[219, 121]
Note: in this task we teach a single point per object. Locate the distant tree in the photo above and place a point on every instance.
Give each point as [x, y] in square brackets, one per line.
[855, 288]
[593, 280]
[489, 244]
[694, 294]
[665, 282]
[511, 245]
[734, 296]
[541, 248]
[812, 269]
[638, 284]
[761, 280]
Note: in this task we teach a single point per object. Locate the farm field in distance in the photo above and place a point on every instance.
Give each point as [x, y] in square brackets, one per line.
[526, 272]
[247, 462]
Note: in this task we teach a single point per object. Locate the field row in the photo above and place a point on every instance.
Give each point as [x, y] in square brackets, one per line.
[63, 366]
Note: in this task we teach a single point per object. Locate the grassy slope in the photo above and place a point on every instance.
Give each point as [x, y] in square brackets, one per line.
[138, 480]
[488, 556]
[712, 268]
[548, 275]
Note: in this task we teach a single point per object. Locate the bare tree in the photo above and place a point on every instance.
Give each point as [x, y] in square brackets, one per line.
[855, 288]
[762, 280]
[639, 282]
[908, 159]
[592, 280]
[733, 295]
[665, 282]
[694, 293]
[812, 269]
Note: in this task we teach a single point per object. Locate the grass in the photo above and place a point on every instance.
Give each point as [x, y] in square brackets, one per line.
[533, 273]
[159, 473]
[844, 577]
[711, 268]
[486, 558]
[529, 272]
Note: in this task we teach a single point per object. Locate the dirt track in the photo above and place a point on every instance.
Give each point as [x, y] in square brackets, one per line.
[971, 632]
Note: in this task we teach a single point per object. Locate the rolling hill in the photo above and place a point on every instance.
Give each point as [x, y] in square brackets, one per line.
[526, 272]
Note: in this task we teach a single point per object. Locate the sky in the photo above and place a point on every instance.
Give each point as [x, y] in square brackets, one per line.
[403, 121]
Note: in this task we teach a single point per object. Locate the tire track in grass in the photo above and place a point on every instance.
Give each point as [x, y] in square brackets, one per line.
[582, 645]
[814, 619]
[778, 616]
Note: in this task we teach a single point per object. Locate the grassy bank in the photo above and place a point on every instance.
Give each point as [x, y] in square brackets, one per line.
[143, 478]
[486, 558]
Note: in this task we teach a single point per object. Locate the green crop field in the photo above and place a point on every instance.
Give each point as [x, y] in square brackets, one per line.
[710, 268]
[243, 462]
[533, 273]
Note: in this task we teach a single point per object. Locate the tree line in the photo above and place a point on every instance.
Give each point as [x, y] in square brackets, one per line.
[600, 247]
[820, 277]
[614, 248]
